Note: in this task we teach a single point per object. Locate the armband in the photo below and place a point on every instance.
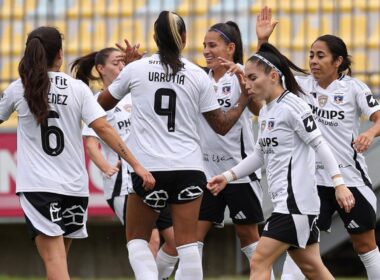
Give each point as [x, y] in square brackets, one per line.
[229, 175]
[337, 181]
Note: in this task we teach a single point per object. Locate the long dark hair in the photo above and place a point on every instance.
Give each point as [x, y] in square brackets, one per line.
[281, 62]
[230, 33]
[337, 47]
[42, 47]
[168, 29]
[82, 66]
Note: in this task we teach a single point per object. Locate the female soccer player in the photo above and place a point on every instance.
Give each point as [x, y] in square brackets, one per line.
[169, 93]
[286, 141]
[52, 181]
[108, 63]
[223, 41]
[338, 101]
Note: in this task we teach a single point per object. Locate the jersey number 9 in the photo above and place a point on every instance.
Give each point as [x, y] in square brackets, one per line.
[169, 110]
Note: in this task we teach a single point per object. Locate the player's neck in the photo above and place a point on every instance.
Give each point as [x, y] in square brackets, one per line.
[217, 73]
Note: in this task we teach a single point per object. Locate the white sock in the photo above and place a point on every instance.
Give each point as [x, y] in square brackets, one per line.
[371, 261]
[291, 271]
[178, 272]
[142, 260]
[165, 264]
[190, 262]
[248, 252]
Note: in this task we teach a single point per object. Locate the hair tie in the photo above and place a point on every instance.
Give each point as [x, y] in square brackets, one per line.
[268, 63]
[221, 33]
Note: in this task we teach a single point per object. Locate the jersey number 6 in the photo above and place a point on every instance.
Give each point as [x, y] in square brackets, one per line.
[46, 132]
[169, 110]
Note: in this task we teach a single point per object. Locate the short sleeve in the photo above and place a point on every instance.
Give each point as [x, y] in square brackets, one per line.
[302, 121]
[364, 99]
[91, 109]
[7, 106]
[88, 131]
[208, 101]
[120, 86]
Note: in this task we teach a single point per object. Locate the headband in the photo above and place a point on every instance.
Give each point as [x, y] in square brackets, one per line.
[268, 63]
[221, 33]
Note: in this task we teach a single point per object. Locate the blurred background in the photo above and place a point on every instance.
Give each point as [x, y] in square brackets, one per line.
[89, 25]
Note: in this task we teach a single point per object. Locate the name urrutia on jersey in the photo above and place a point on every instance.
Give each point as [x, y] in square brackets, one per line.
[166, 77]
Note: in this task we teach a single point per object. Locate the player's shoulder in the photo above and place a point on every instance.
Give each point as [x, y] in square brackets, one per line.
[305, 81]
[292, 103]
[353, 84]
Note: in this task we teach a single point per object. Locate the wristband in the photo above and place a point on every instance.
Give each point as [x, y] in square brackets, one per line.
[337, 181]
[229, 176]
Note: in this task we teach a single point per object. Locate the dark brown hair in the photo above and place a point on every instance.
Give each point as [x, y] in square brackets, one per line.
[42, 47]
[82, 66]
[168, 29]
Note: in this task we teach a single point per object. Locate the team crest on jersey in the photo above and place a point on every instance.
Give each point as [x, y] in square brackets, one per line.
[128, 108]
[372, 102]
[263, 124]
[270, 125]
[338, 99]
[309, 124]
[322, 100]
[226, 89]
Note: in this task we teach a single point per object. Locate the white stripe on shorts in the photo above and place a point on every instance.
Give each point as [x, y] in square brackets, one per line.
[42, 224]
[369, 196]
[118, 205]
[301, 223]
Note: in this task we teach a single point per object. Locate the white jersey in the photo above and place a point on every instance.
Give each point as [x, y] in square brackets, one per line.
[337, 110]
[286, 127]
[221, 153]
[50, 157]
[120, 118]
[166, 112]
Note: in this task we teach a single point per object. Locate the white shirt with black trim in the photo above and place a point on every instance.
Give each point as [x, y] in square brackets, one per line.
[337, 110]
[50, 158]
[120, 118]
[221, 153]
[286, 127]
[166, 108]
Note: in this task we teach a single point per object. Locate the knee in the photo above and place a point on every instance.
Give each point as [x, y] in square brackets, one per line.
[247, 234]
[363, 245]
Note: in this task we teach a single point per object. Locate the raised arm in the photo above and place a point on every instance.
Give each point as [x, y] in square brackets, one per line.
[109, 135]
[253, 105]
[264, 26]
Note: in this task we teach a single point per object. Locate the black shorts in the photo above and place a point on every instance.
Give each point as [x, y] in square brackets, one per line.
[54, 214]
[294, 229]
[361, 218]
[243, 201]
[173, 187]
[118, 205]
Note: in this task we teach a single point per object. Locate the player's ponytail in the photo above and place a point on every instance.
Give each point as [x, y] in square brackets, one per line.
[42, 47]
[270, 58]
[169, 32]
[82, 66]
